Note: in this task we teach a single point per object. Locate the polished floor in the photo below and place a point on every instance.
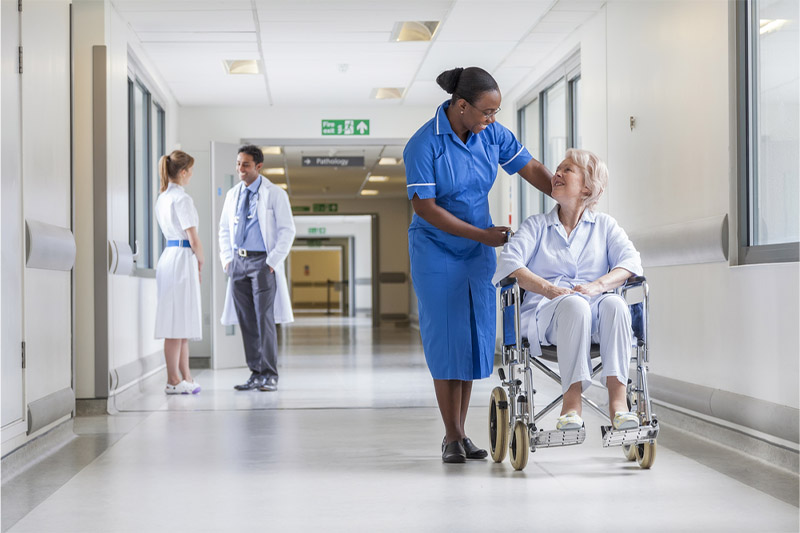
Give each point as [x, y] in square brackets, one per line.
[350, 442]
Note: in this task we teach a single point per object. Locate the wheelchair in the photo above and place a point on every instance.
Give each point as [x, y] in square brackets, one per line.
[512, 417]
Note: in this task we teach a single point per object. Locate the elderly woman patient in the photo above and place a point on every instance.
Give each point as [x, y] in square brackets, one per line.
[567, 260]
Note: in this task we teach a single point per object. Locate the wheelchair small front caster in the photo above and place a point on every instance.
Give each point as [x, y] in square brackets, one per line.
[629, 452]
[520, 445]
[645, 454]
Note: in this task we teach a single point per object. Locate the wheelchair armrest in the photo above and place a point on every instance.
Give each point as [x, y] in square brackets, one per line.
[505, 282]
[633, 281]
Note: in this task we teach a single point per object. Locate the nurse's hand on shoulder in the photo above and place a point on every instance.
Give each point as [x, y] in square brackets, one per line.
[495, 236]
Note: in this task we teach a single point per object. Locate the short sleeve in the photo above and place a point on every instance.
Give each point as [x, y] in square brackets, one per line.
[621, 252]
[519, 250]
[185, 211]
[513, 155]
[418, 158]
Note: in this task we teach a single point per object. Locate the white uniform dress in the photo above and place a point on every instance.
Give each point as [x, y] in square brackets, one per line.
[178, 313]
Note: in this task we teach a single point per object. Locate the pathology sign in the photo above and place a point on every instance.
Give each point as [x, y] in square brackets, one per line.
[345, 127]
[332, 161]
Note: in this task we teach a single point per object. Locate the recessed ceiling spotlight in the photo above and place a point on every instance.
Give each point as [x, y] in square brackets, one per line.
[378, 178]
[414, 30]
[271, 150]
[387, 93]
[388, 161]
[242, 66]
[369, 192]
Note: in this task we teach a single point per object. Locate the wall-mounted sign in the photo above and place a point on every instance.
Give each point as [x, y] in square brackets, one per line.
[336, 161]
[345, 127]
[316, 231]
[301, 208]
[326, 208]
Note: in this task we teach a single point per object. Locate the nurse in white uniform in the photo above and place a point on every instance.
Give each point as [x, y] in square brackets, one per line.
[178, 314]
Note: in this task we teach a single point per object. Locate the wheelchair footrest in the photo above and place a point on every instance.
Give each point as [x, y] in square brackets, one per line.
[628, 437]
[557, 437]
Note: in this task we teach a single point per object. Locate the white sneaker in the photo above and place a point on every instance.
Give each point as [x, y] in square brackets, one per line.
[180, 388]
[627, 420]
[194, 386]
[569, 420]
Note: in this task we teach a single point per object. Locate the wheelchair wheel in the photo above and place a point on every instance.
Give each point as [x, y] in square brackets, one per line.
[498, 424]
[645, 454]
[520, 445]
[629, 452]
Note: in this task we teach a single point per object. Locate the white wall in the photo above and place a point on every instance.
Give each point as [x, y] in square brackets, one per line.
[668, 64]
[131, 300]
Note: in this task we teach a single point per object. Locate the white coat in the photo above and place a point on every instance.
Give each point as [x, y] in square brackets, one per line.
[277, 229]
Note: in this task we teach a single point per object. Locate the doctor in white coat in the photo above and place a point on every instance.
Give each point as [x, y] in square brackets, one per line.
[256, 231]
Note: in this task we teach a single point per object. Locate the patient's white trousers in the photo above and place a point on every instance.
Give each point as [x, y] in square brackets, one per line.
[571, 331]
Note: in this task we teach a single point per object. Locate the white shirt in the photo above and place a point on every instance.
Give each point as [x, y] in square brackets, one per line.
[596, 246]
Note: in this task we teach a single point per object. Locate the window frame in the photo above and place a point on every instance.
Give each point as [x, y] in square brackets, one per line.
[153, 117]
[568, 70]
[747, 154]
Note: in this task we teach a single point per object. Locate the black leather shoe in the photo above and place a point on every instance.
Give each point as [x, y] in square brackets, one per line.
[270, 384]
[255, 381]
[454, 452]
[472, 451]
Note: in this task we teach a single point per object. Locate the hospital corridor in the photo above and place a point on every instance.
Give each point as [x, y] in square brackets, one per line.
[413, 266]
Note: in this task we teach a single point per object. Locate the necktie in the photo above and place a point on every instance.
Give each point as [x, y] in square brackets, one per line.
[244, 211]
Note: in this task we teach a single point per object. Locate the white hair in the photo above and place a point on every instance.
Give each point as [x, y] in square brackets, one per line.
[595, 174]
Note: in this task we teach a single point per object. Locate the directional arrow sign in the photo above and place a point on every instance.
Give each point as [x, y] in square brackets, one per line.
[345, 127]
[335, 161]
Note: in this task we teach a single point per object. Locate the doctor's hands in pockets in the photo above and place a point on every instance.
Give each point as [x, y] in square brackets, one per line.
[495, 236]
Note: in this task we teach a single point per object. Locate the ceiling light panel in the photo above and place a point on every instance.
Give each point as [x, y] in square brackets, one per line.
[387, 93]
[414, 30]
[242, 66]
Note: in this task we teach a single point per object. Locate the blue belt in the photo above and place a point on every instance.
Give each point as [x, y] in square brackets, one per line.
[182, 244]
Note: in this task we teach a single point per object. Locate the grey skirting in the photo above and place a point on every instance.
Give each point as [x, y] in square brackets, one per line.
[47, 410]
[779, 420]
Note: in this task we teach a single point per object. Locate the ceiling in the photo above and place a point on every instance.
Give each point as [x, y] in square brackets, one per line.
[337, 52]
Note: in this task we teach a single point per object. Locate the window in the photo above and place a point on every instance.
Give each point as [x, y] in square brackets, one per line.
[549, 125]
[769, 131]
[146, 144]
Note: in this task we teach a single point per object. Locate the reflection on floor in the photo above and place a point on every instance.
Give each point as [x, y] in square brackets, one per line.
[350, 442]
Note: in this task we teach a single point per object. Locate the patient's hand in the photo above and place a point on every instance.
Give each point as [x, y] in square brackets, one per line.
[590, 289]
[554, 291]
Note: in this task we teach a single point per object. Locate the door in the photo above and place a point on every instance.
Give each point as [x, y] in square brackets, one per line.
[226, 348]
[316, 274]
[11, 271]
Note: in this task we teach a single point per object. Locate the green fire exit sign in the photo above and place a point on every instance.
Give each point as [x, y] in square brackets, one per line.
[345, 127]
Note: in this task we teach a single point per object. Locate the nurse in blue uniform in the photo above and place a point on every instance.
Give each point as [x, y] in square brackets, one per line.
[451, 163]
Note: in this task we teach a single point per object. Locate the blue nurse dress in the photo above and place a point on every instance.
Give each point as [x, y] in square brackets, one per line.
[452, 275]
